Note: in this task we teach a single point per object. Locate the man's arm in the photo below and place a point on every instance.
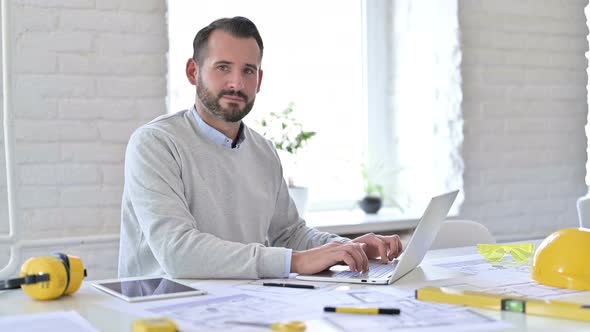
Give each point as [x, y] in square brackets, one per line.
[315, 251]
[156, 191]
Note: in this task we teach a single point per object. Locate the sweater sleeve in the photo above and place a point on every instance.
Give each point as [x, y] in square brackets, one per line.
[154, 184]
[287, 229]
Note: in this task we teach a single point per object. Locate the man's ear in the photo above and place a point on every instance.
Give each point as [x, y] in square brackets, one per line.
[192, 71]
[259, 80]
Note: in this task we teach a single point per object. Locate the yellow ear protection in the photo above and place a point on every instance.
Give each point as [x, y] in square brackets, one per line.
[48, 277]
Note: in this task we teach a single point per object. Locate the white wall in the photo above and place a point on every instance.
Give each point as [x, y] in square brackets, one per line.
[85, 74]
[524, 108]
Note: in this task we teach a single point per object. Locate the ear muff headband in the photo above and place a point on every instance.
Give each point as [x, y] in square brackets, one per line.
[66, 262]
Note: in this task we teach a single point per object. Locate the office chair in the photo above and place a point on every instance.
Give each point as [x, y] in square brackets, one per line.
[461, 233]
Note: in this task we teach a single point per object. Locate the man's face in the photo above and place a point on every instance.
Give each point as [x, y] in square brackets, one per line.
[229, 77]
[230, 113]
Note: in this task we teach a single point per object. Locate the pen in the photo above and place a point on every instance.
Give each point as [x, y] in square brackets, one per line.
[369, 311]
[278, 284]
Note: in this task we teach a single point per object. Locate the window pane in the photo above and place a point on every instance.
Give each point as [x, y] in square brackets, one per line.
[312, 57]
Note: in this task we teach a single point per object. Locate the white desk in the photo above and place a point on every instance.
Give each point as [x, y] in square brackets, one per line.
[86, 303]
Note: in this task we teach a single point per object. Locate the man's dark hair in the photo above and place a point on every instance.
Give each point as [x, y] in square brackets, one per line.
[238, 26]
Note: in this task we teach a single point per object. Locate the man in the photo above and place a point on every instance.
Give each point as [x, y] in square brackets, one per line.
[204, 194]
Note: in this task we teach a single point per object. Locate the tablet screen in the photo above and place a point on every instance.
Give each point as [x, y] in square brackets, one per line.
[146, 287]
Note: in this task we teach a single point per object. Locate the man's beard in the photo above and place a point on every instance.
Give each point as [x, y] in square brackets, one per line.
[211, 102]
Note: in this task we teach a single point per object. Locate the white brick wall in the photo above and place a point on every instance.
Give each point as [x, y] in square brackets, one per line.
[86, 73]
[524, 107]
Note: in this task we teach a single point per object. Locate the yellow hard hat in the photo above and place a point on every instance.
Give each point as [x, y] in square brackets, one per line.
[562, 259]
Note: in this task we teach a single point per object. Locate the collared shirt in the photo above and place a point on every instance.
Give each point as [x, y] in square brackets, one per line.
[216, 136]
[219, 138]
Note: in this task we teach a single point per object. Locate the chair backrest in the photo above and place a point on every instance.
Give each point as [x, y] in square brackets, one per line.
[461, 233]
[584, 211]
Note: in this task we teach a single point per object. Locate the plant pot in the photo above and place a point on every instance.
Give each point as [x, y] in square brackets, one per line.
[371, 204]
[300, 198]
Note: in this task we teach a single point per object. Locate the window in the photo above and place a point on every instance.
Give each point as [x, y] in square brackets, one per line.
[313, 58]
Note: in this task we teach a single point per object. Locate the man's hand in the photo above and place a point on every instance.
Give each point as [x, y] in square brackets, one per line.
[387, 247]
[321, 258]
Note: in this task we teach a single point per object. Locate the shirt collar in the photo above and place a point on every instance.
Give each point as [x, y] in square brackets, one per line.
[216, 136]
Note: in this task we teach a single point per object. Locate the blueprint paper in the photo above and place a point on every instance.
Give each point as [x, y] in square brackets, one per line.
[511, 285]
[249, 301]
[477, 265]
[505, 277]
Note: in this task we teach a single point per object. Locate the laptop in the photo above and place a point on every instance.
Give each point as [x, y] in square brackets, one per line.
[384, 274]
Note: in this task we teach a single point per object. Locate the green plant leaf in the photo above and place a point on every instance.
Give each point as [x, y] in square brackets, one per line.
[285, 131]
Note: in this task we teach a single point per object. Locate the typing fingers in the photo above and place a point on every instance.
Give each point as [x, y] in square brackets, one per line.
[347, 258]
[359, 256]
[394, 245]
[382, 246]
[379, 245]
[365, 260]
[355, 251]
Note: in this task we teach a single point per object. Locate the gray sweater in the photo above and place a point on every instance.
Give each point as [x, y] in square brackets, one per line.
[196, 209]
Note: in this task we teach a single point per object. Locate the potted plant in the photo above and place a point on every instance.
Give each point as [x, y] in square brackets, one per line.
[288, 136]
[374, 193]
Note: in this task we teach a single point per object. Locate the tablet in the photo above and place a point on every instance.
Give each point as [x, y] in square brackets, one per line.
[145, 289]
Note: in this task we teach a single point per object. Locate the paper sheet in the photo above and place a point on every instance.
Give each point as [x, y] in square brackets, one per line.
[62, 321]
[416, 314]
[506, 283]
[477, 265]
[249, 301]
[505, 277]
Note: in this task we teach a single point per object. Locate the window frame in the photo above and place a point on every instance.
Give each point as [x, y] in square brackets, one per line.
[380, 150]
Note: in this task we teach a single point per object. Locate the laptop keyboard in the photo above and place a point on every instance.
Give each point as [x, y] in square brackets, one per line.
[376, 270]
